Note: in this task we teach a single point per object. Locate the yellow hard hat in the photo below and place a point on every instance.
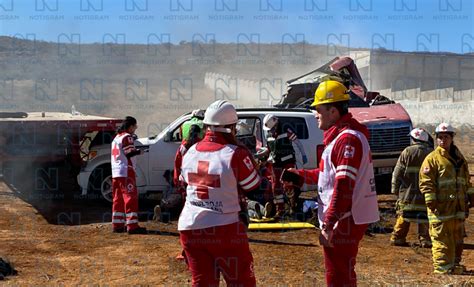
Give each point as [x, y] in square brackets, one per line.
[330, 92]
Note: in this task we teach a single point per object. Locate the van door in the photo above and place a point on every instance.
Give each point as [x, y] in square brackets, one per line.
[299, 126]
[162, 155]
[249, 132]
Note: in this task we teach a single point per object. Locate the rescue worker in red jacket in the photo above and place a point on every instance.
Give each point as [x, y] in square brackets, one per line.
[124, 189]
[347, 198]
[280, 140]
[211, 234]
[191, 132]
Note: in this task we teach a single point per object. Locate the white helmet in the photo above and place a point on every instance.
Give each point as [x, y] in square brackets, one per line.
[198, 114]
[220, 113]
[419, 134]
[269, 121]
[444, 128]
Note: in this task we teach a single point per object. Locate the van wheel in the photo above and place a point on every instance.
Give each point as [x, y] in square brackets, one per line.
[100, 184]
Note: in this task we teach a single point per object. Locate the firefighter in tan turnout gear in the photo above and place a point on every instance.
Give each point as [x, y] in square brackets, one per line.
[444, 182]
[411, 203]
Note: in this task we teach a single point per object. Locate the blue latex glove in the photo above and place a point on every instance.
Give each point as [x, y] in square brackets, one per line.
[305, 159]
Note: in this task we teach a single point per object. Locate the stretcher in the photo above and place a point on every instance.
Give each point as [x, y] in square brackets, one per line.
[279, 225]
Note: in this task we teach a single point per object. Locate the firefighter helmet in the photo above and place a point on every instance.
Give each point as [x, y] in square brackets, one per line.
[444, 128]
[330, 92]
[419, 134]
[269, 121]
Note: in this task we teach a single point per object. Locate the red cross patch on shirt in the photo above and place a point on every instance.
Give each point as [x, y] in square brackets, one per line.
[349, 151]
[248, 163]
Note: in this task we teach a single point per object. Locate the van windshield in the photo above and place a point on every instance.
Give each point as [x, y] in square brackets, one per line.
[357, 102]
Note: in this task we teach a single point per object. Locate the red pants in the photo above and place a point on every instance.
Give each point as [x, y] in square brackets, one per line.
[278, 192]
[125, 203]
[340, 260]
[220, 249]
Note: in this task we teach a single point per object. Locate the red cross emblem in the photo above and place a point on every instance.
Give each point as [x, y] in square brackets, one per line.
[417, 133]
[203, 180]
[444, 128]
[115, 151]
[349, 151]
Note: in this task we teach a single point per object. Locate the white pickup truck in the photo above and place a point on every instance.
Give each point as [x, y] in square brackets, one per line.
[153, 167]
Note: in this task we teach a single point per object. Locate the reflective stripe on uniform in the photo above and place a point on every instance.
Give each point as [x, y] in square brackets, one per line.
[347, 167]
[430, 196]
[410, 206]
[252, 184]
[438, 218]
[279, 198]
[345, 173]
[249, 178]
[118, 213]
[290, 156]
[132, 214]
[132, 221]
[118, 220]
[282, 136]
[415, 220]
[413, 169]
[250, 181]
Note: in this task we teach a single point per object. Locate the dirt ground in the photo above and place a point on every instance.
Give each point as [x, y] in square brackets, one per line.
[59, 242]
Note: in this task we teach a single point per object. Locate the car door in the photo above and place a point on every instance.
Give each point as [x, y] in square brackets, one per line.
[249, 132]
[162, 155]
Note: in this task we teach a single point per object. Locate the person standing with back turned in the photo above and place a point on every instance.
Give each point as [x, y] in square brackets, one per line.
[347, 197]
[216, 171]
[411, 205]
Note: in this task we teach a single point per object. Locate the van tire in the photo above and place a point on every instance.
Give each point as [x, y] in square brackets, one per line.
[100, 184]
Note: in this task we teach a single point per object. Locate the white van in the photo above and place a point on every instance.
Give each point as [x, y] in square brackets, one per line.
[153, 168]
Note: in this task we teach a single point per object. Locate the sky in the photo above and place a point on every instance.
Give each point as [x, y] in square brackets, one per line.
[404, 25]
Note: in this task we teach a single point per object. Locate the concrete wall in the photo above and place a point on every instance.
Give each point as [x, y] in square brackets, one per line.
[421, 76]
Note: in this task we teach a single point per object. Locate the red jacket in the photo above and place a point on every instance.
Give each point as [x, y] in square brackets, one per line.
[343, 185]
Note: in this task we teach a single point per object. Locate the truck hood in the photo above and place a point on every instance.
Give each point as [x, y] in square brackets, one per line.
[379, 114]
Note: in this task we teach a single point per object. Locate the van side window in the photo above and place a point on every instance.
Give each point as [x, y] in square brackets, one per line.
[249, 133]
[177, 135]
[298, 125]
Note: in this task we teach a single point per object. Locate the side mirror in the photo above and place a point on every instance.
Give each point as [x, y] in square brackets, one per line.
[168, 137]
